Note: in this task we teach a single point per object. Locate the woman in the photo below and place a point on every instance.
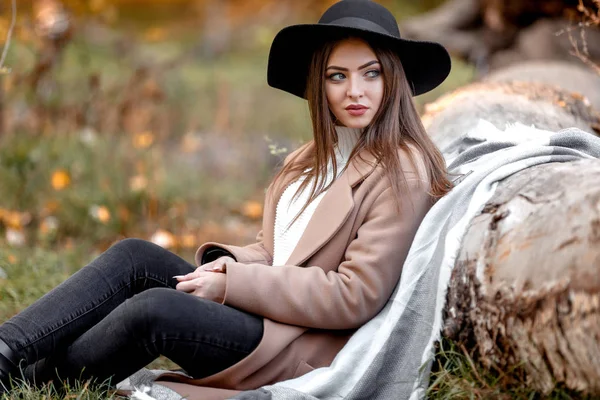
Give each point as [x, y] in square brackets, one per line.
[339, 219]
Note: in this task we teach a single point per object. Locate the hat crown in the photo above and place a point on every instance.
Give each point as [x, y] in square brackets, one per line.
[362, 9]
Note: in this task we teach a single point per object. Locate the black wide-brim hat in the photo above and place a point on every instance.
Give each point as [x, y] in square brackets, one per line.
[426, 64]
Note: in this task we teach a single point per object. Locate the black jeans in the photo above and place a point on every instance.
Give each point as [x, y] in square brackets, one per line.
[119, 313]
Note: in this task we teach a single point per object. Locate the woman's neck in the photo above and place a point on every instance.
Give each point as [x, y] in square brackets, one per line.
[347, 139]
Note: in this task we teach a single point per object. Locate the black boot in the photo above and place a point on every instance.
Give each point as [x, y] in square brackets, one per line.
[8, 366]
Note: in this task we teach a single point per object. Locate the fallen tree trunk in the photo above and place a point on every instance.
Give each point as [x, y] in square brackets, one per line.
[493, 34]
[573, 78]
[525, 290]
[530, 103]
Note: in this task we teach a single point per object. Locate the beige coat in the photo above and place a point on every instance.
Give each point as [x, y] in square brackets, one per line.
[341, 273]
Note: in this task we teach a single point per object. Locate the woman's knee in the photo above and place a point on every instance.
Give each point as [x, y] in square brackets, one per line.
[142, 252]
[134, 246]
[148, 264]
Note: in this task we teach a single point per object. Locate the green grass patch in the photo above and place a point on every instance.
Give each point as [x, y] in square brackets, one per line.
[456, 376]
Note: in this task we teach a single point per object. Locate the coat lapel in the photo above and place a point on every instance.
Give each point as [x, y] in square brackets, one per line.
[332, 211]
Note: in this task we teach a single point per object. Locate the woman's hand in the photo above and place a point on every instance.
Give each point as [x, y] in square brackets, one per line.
[207, 281]
[219, 265]
[207, 285]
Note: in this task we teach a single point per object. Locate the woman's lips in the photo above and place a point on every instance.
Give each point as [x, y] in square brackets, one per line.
[356, 110]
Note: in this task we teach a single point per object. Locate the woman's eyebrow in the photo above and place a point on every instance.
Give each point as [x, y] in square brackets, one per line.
[361, 67]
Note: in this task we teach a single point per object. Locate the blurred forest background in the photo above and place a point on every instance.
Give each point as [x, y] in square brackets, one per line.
[150, 119]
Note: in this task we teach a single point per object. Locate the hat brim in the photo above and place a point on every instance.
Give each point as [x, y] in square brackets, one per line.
[426, 64]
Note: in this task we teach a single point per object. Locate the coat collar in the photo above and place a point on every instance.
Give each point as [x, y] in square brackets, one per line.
[330, 214]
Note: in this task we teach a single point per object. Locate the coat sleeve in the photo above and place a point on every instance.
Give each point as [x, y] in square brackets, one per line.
[351, 295]
[252, 253]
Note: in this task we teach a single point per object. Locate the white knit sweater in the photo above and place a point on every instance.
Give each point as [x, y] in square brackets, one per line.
[285, 240]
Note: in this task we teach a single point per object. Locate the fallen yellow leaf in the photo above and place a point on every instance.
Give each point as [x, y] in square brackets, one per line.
[100, 213]
[252, 210]
[60, 179]
[143, 140]
[103, 214]
[13, 219]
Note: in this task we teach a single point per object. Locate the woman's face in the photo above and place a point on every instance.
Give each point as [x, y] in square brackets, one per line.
[353, 83]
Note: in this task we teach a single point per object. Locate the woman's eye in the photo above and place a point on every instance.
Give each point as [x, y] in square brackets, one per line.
[374, 73]
[338, 76]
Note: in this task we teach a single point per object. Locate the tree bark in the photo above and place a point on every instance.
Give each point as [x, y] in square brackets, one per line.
[525, 290]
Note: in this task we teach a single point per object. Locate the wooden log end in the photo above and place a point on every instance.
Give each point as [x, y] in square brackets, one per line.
[525, 291]
[501, 103]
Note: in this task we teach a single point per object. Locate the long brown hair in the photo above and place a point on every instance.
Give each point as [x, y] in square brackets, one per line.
[395, 125]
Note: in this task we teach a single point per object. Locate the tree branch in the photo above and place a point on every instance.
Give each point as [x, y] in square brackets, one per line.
[3, 69]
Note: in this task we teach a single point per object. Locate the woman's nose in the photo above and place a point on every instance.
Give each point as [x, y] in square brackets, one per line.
[355, 88]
